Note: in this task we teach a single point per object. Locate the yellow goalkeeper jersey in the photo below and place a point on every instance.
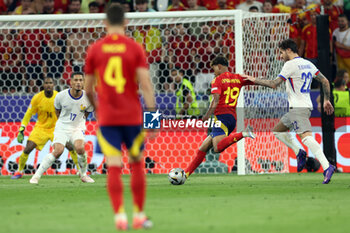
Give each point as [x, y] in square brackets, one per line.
[45, 109]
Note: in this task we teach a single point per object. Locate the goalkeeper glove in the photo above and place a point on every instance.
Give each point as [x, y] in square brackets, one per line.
[20, 135]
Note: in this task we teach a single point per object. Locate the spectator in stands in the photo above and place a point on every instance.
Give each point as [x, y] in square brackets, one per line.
[249, 3]
[94, 7]
[333, 11]
[341, 95]
[222, 5]
[74, 6]
[25, 8]
[186, 102]
[61, 6]
[341, 40]
[142, 6]
[176, 6]
[308, 44]
[3, 7]
[209, 4]
[267, 6]
[77, 43]
[193, 6]
[253, 9]
[49, 7]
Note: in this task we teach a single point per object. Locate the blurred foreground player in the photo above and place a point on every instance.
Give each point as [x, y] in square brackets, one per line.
[118, 65]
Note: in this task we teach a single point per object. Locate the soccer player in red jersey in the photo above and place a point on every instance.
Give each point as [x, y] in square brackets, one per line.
[117, 64]
[225, 89]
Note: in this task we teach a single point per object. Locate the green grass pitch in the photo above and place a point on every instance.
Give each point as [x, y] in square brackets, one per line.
[280, 203]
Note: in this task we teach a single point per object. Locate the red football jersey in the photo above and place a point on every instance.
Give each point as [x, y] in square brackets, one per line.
[114, 61]
[228, 85]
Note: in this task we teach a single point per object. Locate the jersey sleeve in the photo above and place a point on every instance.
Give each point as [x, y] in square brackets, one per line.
[141, 61]
[215, 87]
[57, 102]
[314, 71]
[89, 66]
[286, 71]
[32, 109]
[90, 109]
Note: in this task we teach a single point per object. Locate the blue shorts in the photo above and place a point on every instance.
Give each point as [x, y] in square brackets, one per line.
[110, 139]
[228, 124]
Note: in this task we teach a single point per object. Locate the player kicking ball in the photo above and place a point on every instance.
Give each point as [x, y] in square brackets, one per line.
[298, 73]
[225, 89]
[72, 108]
[43, 105]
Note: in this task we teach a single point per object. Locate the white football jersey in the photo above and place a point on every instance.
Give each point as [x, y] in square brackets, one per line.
[72, 110]
[298, 73]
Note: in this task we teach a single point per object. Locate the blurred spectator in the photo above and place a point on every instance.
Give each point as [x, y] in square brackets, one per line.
[25, 8]
[293, 31]
[222, 5]
[74, 6]
[94, 7]
[142, 6]
[176, 6]
[209, 4]
[253, 9]
[3, 7]
[268, 7]
[54, 54]
[333, 11]
[341, 95]
[61, 6]
[249, 3]
[48, 7]
[341, 40]
[186, 101]
[11, 59]
[192, 6]
[84, 8]
[150, 37]
[308, 44]
[77, 43]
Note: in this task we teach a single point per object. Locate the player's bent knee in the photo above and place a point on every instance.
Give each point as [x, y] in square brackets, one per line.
[114, 161]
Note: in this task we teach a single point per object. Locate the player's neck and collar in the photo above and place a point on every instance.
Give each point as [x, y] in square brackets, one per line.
[116, 31]
[75, 94]
[293, 56]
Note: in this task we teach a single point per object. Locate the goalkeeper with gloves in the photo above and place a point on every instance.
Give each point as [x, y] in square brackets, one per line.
[42, 104]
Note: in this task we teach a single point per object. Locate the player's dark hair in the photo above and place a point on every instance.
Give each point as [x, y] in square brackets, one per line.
[289, 44]
[115, 14]
[339, 83]
[220, 60]
[76, 73]
[253, 8]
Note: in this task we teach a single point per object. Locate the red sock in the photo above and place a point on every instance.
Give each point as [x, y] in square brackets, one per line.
[195, 162]
[229, 140]
[115, 188]
[138, 185]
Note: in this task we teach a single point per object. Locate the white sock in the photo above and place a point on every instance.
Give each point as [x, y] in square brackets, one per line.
[316, 149]
[82, 161]
[45, 164]
[287, 139]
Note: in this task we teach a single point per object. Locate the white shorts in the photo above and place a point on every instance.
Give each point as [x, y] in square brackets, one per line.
[298, 120]
[63, 136]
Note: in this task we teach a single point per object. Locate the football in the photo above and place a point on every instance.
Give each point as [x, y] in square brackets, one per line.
[177, 176]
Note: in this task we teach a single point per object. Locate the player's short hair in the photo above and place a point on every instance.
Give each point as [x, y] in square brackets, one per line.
[219, 60]
[76, 73]
[115, 14]
[289, 44]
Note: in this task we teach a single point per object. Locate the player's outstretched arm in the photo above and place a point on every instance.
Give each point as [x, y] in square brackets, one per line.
[213, 104]
[143, 78]
[327, 106]
[262, 82]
